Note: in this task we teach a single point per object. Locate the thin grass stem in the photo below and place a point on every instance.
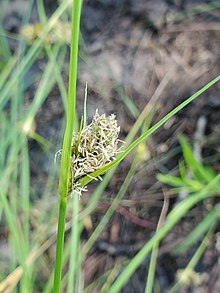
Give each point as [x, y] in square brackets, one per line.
[173, 217]
[60, 243]
[74, 256]
[154, 254]
[194, 260]
[66, 150]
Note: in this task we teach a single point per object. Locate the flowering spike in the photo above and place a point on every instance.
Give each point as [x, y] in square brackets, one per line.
[93, 147]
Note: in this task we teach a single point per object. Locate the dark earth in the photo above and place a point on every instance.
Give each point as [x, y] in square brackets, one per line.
[155, 54]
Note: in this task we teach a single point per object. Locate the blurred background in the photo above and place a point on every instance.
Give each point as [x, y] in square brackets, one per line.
[140, 58]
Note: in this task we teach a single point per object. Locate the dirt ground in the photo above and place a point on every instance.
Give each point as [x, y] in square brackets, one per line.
[155, 54]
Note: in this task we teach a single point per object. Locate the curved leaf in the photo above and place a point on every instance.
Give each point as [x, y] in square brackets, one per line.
[85, 180]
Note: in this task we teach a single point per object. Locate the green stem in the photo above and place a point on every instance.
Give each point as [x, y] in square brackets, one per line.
[71, 111]
[60, 242]
[74, 254]
[66, 150]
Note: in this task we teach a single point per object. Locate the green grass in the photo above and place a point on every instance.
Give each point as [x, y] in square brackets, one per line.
[66, 153]
[31, 221]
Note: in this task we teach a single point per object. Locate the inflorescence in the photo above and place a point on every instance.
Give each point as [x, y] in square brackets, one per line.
[93, 147]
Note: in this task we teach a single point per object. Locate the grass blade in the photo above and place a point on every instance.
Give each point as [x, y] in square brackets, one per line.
[146, 134]
[174, 216]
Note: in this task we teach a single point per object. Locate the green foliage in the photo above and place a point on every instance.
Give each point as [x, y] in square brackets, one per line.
[193, 175]
[209, 220]
[30, 221]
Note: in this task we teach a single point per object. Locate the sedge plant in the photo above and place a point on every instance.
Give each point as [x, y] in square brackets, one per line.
[80, 164]
[27, 245]
[66, 151]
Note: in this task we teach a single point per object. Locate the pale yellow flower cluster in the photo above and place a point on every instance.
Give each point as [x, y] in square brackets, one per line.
[60, 33]
[94, 147]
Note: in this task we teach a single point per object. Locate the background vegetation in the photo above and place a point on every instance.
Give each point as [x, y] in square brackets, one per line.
[152, 223]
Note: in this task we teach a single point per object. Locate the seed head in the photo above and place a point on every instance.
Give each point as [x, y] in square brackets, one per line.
[93, 147]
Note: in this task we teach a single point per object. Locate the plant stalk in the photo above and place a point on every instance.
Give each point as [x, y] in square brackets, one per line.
[59, 245]
[67, 141]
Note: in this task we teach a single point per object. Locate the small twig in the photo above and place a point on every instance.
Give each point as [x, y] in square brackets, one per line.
[198, 138]
[118, 249]
[128, 215]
